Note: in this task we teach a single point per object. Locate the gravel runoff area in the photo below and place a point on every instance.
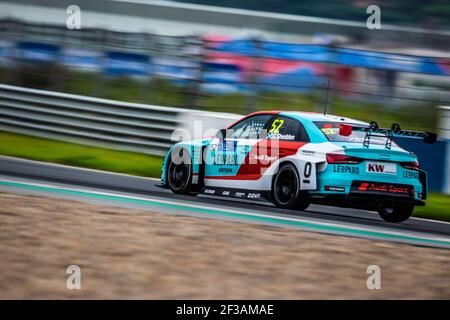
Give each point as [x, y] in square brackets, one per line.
[126, 254]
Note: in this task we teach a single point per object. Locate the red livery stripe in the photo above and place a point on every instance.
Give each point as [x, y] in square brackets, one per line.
[260, 158]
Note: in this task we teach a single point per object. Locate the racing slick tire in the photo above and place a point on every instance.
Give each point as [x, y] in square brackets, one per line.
[179, 172]
[395, 212]
[286, 191]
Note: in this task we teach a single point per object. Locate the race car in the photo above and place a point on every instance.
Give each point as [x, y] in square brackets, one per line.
[294, 159]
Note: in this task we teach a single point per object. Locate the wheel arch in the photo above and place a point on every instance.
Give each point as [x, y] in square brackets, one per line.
[195, 151]
[306, 170]
[302, 197]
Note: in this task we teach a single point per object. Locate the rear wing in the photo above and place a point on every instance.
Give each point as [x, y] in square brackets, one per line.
[374, 131]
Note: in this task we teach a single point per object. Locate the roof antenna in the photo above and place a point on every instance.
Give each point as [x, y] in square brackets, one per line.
[326, 99]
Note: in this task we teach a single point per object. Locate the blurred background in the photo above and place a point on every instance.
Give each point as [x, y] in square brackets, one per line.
[218, 59]
[243, 57]
[113, 84]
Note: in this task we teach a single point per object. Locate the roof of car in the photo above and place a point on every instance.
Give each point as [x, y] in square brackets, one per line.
[316, 116]
[307, 115]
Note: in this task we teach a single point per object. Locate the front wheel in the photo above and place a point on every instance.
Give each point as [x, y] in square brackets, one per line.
[395, 212]
[179, 171]
[286, 191]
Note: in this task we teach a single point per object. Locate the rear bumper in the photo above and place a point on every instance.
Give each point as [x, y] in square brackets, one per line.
[370, 195]
[336, 181]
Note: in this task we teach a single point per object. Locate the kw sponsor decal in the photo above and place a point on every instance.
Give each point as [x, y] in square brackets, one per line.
[345, 169]
[380, 167]
[225, 193]
[375, 167]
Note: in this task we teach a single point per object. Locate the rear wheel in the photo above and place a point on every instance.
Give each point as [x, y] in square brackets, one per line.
[396, 212]
[286, 191]
[179, 171]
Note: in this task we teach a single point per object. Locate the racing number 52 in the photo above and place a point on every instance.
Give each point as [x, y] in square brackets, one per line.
[276, 125]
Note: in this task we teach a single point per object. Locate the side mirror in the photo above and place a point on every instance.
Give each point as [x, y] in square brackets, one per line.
[221, 134]
[430, 137]
[345, 130]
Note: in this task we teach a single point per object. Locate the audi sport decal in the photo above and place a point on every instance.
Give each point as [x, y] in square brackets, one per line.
[386, 188]
[263, 157]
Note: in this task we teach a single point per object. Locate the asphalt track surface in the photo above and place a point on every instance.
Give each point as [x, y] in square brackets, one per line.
[13, 168]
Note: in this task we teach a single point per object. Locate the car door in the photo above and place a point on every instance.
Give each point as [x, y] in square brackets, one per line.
[226, 159]
[285, 135]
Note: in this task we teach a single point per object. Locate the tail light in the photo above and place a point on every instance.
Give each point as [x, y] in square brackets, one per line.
[334, 158]
[413, 165]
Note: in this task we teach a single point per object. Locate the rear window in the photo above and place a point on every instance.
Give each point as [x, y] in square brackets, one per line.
[331, 131]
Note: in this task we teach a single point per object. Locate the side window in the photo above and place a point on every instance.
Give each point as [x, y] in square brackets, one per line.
[249, 128]
[287, 129]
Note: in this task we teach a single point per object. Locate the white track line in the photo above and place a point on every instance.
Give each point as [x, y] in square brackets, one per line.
[243, 212]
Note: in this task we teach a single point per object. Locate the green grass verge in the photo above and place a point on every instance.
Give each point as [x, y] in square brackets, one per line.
[40, 149]
[79, 155]
[437, 208]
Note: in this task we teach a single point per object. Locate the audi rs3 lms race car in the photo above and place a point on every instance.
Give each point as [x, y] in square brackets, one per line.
[297, 158]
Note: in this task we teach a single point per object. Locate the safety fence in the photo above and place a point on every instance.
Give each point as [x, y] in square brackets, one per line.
[101, 122]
